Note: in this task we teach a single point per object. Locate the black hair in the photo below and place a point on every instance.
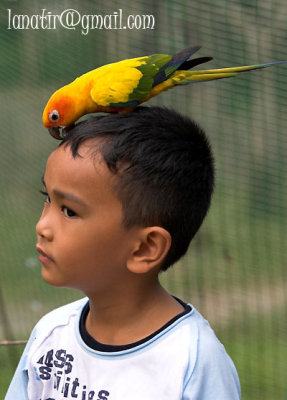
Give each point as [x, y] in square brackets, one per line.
[164, 168]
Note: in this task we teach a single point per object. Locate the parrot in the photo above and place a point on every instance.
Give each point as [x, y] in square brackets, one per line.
[121, 86]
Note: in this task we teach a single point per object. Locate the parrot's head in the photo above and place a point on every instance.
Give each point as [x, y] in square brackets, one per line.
[59, 112]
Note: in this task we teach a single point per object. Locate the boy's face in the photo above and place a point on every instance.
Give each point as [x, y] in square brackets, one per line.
[80, 237]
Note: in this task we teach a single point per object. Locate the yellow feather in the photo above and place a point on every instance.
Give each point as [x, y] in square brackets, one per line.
[113, 83]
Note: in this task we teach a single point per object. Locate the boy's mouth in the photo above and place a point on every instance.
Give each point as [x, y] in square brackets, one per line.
[43, 257]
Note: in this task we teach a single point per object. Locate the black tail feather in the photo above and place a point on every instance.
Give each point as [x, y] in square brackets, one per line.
[192, 63]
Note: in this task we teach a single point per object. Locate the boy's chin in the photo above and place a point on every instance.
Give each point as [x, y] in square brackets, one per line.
[52, 279]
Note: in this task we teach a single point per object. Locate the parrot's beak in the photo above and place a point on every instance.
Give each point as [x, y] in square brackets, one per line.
[55, 132]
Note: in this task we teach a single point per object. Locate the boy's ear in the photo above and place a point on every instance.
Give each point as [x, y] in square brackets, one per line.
[151, 247]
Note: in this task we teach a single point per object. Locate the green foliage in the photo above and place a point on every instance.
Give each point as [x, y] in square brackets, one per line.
[9, 357]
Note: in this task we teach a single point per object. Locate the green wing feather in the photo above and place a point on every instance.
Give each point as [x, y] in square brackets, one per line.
[153, 64]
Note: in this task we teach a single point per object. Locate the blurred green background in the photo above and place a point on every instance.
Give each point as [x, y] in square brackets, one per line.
[235, 270]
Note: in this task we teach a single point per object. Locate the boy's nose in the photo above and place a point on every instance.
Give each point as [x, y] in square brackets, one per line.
[43, 229]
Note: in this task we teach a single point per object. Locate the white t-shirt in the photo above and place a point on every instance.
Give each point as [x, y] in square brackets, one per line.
[182, 361]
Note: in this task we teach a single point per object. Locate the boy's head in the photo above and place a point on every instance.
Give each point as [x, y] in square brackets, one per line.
[163, 168]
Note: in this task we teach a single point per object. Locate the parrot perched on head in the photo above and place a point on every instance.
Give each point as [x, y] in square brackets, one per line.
[121, 86]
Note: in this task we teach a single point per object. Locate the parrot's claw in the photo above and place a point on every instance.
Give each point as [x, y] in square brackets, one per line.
[66, 129]
[55, 132]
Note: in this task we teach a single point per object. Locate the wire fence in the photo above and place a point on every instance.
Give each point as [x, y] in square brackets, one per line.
[235, 270]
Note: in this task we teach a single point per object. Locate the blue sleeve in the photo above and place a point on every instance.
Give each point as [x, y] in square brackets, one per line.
[213, 376]
[18, 389]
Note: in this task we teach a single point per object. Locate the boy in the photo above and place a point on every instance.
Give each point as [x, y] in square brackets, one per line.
[125, 194]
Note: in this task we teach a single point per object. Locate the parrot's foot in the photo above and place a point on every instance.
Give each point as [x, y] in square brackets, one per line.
[126, 110]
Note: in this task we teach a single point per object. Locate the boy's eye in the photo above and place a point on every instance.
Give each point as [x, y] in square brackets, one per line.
[47, 199]
[68, 212]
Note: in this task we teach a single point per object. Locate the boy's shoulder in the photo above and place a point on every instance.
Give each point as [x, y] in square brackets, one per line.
[202, 340]
[212, 366]
[59, 316]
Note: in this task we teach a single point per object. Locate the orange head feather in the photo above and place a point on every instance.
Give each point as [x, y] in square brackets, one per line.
[60, 110]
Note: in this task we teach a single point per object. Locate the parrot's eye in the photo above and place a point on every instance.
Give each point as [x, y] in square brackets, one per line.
[54, 116]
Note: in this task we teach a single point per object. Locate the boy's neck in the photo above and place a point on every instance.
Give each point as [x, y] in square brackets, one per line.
[128, 319]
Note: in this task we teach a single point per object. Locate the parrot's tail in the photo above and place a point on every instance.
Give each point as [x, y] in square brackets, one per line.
[184, 77]
[181, 77]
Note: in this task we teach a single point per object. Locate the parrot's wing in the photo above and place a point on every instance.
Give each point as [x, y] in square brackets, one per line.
[176, 61]
[126, 83]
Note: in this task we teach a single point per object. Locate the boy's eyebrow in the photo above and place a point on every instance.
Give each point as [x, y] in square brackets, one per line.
[68, 196]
